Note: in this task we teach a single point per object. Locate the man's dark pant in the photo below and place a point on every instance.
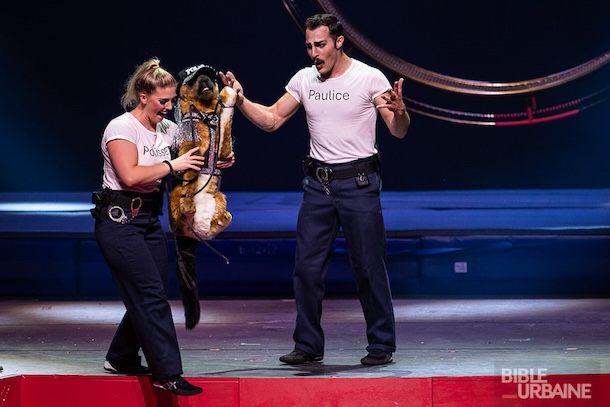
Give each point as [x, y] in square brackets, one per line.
[358, 212]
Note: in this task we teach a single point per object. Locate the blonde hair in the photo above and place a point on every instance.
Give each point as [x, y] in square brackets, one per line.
[147, 77]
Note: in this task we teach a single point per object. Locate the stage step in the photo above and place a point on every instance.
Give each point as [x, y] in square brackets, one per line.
[534, 390]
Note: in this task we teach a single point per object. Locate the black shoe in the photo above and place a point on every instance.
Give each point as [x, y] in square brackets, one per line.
[297, 357]
[178, 386]
[131, 370]
[377, 357]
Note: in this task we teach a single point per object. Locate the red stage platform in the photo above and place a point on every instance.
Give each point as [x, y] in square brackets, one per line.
[97, 391]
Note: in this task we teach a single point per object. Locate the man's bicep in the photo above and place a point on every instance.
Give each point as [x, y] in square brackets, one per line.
[285, 107]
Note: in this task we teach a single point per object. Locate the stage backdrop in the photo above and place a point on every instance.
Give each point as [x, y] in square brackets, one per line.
[64, 65]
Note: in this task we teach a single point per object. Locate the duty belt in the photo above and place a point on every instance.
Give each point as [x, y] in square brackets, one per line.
[112, 204]
[357, 170]
[125, 199]
[328, 172]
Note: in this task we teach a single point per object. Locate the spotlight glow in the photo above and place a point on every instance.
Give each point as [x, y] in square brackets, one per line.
[45, 207]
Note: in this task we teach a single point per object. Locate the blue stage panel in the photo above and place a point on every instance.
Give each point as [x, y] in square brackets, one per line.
[36, 268]
[441, 243]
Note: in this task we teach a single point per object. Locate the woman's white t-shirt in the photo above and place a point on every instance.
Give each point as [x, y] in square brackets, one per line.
[153, 147]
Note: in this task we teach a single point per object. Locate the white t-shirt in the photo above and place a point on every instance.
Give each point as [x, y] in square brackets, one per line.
[341, 113]
[153, 147]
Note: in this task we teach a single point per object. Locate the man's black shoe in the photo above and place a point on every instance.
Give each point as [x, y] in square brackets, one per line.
[297, 357]
[179, 386]
[377, 357]
[131, 370]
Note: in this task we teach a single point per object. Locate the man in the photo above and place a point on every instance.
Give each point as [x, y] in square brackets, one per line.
[341, 97]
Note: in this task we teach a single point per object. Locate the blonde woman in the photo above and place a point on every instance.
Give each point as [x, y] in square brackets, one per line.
[136, 152]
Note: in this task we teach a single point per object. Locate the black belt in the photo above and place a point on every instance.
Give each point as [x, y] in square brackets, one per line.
[125, 199]
[315, 168]
[146, 202]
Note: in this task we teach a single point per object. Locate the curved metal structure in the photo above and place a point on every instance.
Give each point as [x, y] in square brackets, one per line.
[454, 84]
[529, 87]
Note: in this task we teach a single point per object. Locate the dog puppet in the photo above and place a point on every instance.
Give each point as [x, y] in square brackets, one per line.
[197, 208]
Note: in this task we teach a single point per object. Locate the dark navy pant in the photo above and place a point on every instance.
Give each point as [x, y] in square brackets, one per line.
[137, 255]
[358, 212]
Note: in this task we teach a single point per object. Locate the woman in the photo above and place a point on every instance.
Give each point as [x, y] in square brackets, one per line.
[136, 152]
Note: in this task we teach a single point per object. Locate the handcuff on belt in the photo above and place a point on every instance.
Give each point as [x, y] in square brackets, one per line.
[324, 175]
[117, 214]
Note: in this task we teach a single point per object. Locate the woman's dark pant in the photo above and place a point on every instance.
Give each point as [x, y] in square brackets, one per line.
[136, 253]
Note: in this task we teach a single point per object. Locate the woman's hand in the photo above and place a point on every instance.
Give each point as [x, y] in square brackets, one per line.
[188, 161]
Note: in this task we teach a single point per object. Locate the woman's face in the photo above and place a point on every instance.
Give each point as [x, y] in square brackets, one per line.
[159, 103]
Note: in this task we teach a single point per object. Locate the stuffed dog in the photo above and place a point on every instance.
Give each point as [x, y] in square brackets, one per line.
[197, 208]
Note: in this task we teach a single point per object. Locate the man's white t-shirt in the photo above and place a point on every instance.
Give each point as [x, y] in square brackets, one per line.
[341, 113]
[153, 147]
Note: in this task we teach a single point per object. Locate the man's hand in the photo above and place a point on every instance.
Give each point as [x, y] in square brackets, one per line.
[393, 99]
[226, 162]
[230, 81]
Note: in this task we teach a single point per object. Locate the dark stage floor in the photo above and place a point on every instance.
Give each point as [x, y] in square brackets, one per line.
[244, 338]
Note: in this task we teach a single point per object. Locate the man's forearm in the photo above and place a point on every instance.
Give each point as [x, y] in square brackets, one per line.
[258, 114]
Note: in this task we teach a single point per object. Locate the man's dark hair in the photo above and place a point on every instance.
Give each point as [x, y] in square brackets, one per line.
[334, 26]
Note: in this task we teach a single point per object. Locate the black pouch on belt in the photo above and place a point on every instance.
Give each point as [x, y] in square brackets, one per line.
[365, 167]
[96, 199]
[362, 180]
[307, 164]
